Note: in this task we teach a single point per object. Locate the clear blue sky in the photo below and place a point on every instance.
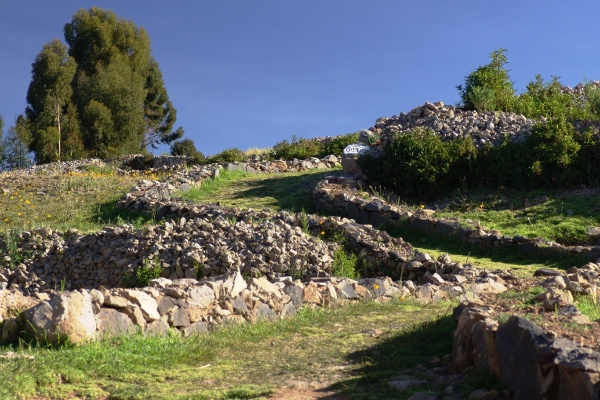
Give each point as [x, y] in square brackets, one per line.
[250, 73]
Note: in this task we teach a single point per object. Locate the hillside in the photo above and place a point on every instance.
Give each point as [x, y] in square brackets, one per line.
[107, 226]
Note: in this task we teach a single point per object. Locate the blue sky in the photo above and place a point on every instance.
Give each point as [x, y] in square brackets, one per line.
[250, 73]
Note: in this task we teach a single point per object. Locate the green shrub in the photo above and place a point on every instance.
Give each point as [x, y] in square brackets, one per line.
[483, 98]
[146, 272]
[592, 94]
[489, 83]
[298, 148]
[229, 156]
[344, 264]
[547, 100]
[549, 156]
[419, 165]
[553, 150]
[337, 144]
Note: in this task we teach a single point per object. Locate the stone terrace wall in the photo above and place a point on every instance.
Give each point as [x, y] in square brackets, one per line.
[341, 196]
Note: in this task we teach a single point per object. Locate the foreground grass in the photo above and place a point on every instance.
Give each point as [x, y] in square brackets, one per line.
[355, 349]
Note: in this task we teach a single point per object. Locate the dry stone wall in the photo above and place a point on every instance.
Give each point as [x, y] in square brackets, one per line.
[344, 196]
[531, 364]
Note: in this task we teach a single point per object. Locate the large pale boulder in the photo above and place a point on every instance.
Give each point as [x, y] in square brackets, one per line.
[66, 317]
[144, 301]
[14, 302]
[110, 322]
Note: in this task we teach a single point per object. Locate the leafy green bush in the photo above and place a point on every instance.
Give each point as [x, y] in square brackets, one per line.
[298, 148]
[592, 94]
[483, 98]
[488, 86]
[549, 156]
[146, 272]
[337, 144]
[420, 165]
[548, 100]
[229, 156]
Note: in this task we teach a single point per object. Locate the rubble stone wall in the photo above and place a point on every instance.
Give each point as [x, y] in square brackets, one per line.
[342, 196]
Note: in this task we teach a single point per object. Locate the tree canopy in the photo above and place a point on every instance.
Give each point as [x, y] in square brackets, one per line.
[102, 95]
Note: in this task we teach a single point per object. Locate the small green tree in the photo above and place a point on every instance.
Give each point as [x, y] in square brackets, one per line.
[488, 87]
[186, 147]
[13, 152]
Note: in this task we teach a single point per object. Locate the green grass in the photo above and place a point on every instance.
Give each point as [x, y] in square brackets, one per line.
[563, 218]
[504, 259]
[289, 191]
[328, 347]
[85, 201]
[588, 305]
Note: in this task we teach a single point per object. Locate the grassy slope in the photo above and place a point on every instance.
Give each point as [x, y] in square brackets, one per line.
[331, 348]
[355, 349]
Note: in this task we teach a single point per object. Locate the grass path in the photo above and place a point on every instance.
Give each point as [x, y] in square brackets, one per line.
[354, 350]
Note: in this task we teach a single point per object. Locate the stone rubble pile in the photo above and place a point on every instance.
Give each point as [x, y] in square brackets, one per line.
[449, 122]
[212, 241]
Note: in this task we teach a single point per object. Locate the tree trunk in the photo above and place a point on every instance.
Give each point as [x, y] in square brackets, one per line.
[58, 126]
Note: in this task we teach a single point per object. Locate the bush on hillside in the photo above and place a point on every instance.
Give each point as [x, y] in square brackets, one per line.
[489, 86]
[337, 144]
[548, 100]
[419, 165]
[298, 148]
[548, 157]
[229, 156]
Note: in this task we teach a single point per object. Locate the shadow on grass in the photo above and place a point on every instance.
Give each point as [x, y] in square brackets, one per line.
[508, 255]
[401, 354]
[107, 213]
[286, 192]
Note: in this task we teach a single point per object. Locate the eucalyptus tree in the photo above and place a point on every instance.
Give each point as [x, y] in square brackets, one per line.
[114, 100]
[48, 96]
